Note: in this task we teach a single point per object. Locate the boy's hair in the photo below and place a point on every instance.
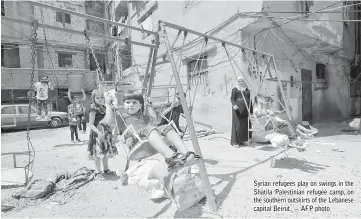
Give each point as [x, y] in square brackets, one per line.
[135, 96]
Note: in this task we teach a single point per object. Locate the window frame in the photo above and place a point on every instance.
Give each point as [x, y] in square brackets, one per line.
[10, 46]
[33, 110]
[64, 62]
[201, 72]
[61, 17]
[321, 80]
[2, 109]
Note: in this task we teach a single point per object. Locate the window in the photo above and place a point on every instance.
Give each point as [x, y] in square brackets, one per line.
[305, 6]
[8, 110]
[198, 71]
[10, 56]
[95, 26]
[59, 17]
[321, 76]
[2, 8]
[65, 60]
[100, 58]
[95, 8]
[25, 110]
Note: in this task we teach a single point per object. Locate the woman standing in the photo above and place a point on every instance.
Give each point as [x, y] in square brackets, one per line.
[240, 113]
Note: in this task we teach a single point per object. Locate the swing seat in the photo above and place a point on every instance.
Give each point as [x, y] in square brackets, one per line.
[141, 150]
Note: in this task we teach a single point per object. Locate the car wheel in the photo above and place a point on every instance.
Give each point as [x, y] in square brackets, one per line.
[55, 122]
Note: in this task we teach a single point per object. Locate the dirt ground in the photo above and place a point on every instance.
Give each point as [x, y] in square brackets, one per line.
[333, 155]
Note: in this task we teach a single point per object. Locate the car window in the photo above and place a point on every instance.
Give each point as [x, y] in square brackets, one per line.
[24, 109]
[8, 110]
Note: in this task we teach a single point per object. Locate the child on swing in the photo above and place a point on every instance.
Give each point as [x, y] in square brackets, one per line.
[42, 88]
[134, 107]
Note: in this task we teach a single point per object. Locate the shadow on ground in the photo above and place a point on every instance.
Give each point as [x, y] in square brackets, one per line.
[303, 165]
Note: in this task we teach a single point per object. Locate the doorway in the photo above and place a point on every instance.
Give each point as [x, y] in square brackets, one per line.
[306, 76]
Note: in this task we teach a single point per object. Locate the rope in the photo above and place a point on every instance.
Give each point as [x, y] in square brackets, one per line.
[199, 74]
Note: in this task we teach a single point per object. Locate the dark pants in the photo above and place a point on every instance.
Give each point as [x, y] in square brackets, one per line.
[73, 130]
[81, 122]
[42, 104]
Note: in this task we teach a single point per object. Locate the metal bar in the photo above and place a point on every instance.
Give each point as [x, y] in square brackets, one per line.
[177, 27]
[14, 160]
[302, 82]
[44, 69]
[202, 169]
[146, 76]
[77, 32]
[105, 21]
[283, 93]
[152, 73]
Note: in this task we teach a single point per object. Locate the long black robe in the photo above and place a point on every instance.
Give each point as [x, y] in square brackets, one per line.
[240, 116]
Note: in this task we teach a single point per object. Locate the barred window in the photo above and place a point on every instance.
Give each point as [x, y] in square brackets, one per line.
[198, 71]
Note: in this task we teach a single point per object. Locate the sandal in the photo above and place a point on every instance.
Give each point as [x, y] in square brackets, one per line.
[190, 155]
[175, 161]
[99, 176]
[109, 172]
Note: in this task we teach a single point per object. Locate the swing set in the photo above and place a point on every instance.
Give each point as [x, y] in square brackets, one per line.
[254, 79]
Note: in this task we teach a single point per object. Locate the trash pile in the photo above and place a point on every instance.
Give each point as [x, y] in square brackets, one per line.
[41, 189]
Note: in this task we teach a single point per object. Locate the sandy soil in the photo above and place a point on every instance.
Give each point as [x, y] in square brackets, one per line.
[333, 155]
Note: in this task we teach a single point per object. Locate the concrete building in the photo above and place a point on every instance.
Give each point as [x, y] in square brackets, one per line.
[63, 54]
[317, 48]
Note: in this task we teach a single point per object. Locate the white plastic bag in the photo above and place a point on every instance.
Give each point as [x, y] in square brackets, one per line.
[279, 140]
[355, 124]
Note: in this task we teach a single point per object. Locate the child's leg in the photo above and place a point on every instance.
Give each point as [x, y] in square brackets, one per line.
[78, 119]
[39, 107]
[83, 122]
[72, 133]
[174, 138]
[76, 133]
[97, 165]
[45, 107]
[155, 139]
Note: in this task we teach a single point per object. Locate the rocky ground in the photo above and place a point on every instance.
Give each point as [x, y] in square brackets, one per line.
[332, 156]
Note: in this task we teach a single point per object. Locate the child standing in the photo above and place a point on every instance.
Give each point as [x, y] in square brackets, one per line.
[79, 110]
[134, 106]
[73, 123]
[42, 88]
[102, 136]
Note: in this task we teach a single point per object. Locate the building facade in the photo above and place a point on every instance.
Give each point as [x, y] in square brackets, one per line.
[313, 53]
[64, 56]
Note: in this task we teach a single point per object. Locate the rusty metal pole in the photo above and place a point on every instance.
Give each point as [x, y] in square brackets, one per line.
[202, 169]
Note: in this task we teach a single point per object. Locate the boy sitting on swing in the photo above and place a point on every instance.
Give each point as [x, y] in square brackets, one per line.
[142, 124]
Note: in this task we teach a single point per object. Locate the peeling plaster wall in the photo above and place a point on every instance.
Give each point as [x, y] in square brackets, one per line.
[330, 103]
[212, 103]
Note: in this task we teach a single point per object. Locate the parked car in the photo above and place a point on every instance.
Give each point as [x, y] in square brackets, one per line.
[16, 117]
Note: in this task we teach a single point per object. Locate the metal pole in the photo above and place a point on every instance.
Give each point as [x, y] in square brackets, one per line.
[177, 27]
[202, 169]
[152, 73]
[101, 36]
[282, 92]
[105, 21]
[146, 74]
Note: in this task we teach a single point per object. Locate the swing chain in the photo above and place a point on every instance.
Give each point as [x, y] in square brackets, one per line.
[33, 40]
[86, 35]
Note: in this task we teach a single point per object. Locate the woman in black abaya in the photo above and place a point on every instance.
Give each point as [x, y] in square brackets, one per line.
[239, 136]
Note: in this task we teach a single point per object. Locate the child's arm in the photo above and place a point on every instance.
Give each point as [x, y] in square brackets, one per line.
[69, 95]
[91, 124]
[51, 87]
[84, 96]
